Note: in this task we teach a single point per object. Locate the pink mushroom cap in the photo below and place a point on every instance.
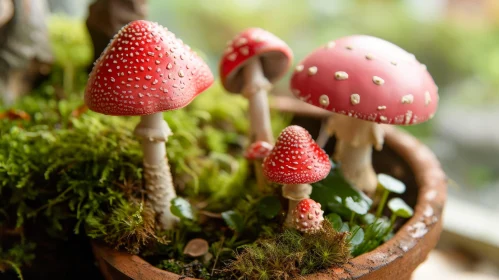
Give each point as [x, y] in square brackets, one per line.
[367, 78]
[296, 159]
[274, 54]
[308, 216]
[145, 69]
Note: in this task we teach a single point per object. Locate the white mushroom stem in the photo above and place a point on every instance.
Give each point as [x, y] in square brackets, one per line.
[294, 193]
[154, 132]
[354, 141]
[324, 134]
[255, 89]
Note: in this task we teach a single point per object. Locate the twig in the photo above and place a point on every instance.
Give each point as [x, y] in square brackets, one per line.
[217, 255]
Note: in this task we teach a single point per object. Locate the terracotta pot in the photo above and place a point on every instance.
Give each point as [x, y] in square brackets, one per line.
[403, 157]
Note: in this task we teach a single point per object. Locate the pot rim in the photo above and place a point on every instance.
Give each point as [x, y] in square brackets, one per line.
[415, 238]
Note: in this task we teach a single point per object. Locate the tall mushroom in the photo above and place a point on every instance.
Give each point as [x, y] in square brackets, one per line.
[365, 81]
[296, 161]
[144, 71]
[254, 60]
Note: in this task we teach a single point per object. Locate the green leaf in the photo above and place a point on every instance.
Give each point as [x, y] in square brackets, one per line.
[400, 208]
[333, 192]
[335, 220]
[234, 220]
[182, 208]
[391, 184]
[344, 227]
[368, 218]
[359, 207]
[357, 235]
[269, 206]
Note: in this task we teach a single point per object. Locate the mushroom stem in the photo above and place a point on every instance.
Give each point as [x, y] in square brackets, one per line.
[154, 132]
[324, 133]
[255, 89]
[294, 193]
[355, 139]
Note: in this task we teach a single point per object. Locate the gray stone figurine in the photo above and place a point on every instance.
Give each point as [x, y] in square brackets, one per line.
[24, 46]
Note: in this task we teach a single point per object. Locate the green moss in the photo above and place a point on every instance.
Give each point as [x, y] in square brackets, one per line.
[87, 170]
[290, 254]
[16, 255]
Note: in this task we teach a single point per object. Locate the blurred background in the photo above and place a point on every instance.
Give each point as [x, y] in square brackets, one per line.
[458, 40]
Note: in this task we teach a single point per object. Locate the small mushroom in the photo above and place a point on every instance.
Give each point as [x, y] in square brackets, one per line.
[144, 71]
[254, 60]
[296, 161]
[308, 216]
[258, 150]
[374, 82]
[196, 248]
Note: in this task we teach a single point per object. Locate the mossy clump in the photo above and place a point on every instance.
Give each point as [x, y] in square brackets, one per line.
[129, 225]
[290, 254]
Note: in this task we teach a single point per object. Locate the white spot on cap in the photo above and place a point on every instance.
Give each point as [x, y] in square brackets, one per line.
[427, 98]
[407, 99]
[378, 81]
[383, 118]
[312, 70]
[408, 116]
[381, 108]
[299, 68]
[244, 50]
[241, 41]
[257, 38]
[340, 75]
[423, 66]
[324, 100]
[355, 98]
[394, 63]
[232, 56]
[330, 45]
[369, 56]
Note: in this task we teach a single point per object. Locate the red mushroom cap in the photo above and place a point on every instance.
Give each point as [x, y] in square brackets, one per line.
[296, 159]
[275, 56]
[144, 70]
[367, 78]
[308, 216]
[258, 150]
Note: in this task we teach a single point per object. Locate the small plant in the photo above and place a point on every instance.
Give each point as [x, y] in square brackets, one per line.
[351, 211]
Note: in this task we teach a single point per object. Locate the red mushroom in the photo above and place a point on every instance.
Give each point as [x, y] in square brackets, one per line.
[308, 216]
[144, 71]
[296, 161]
[254, 60]
[258, 150]
[365, 81]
